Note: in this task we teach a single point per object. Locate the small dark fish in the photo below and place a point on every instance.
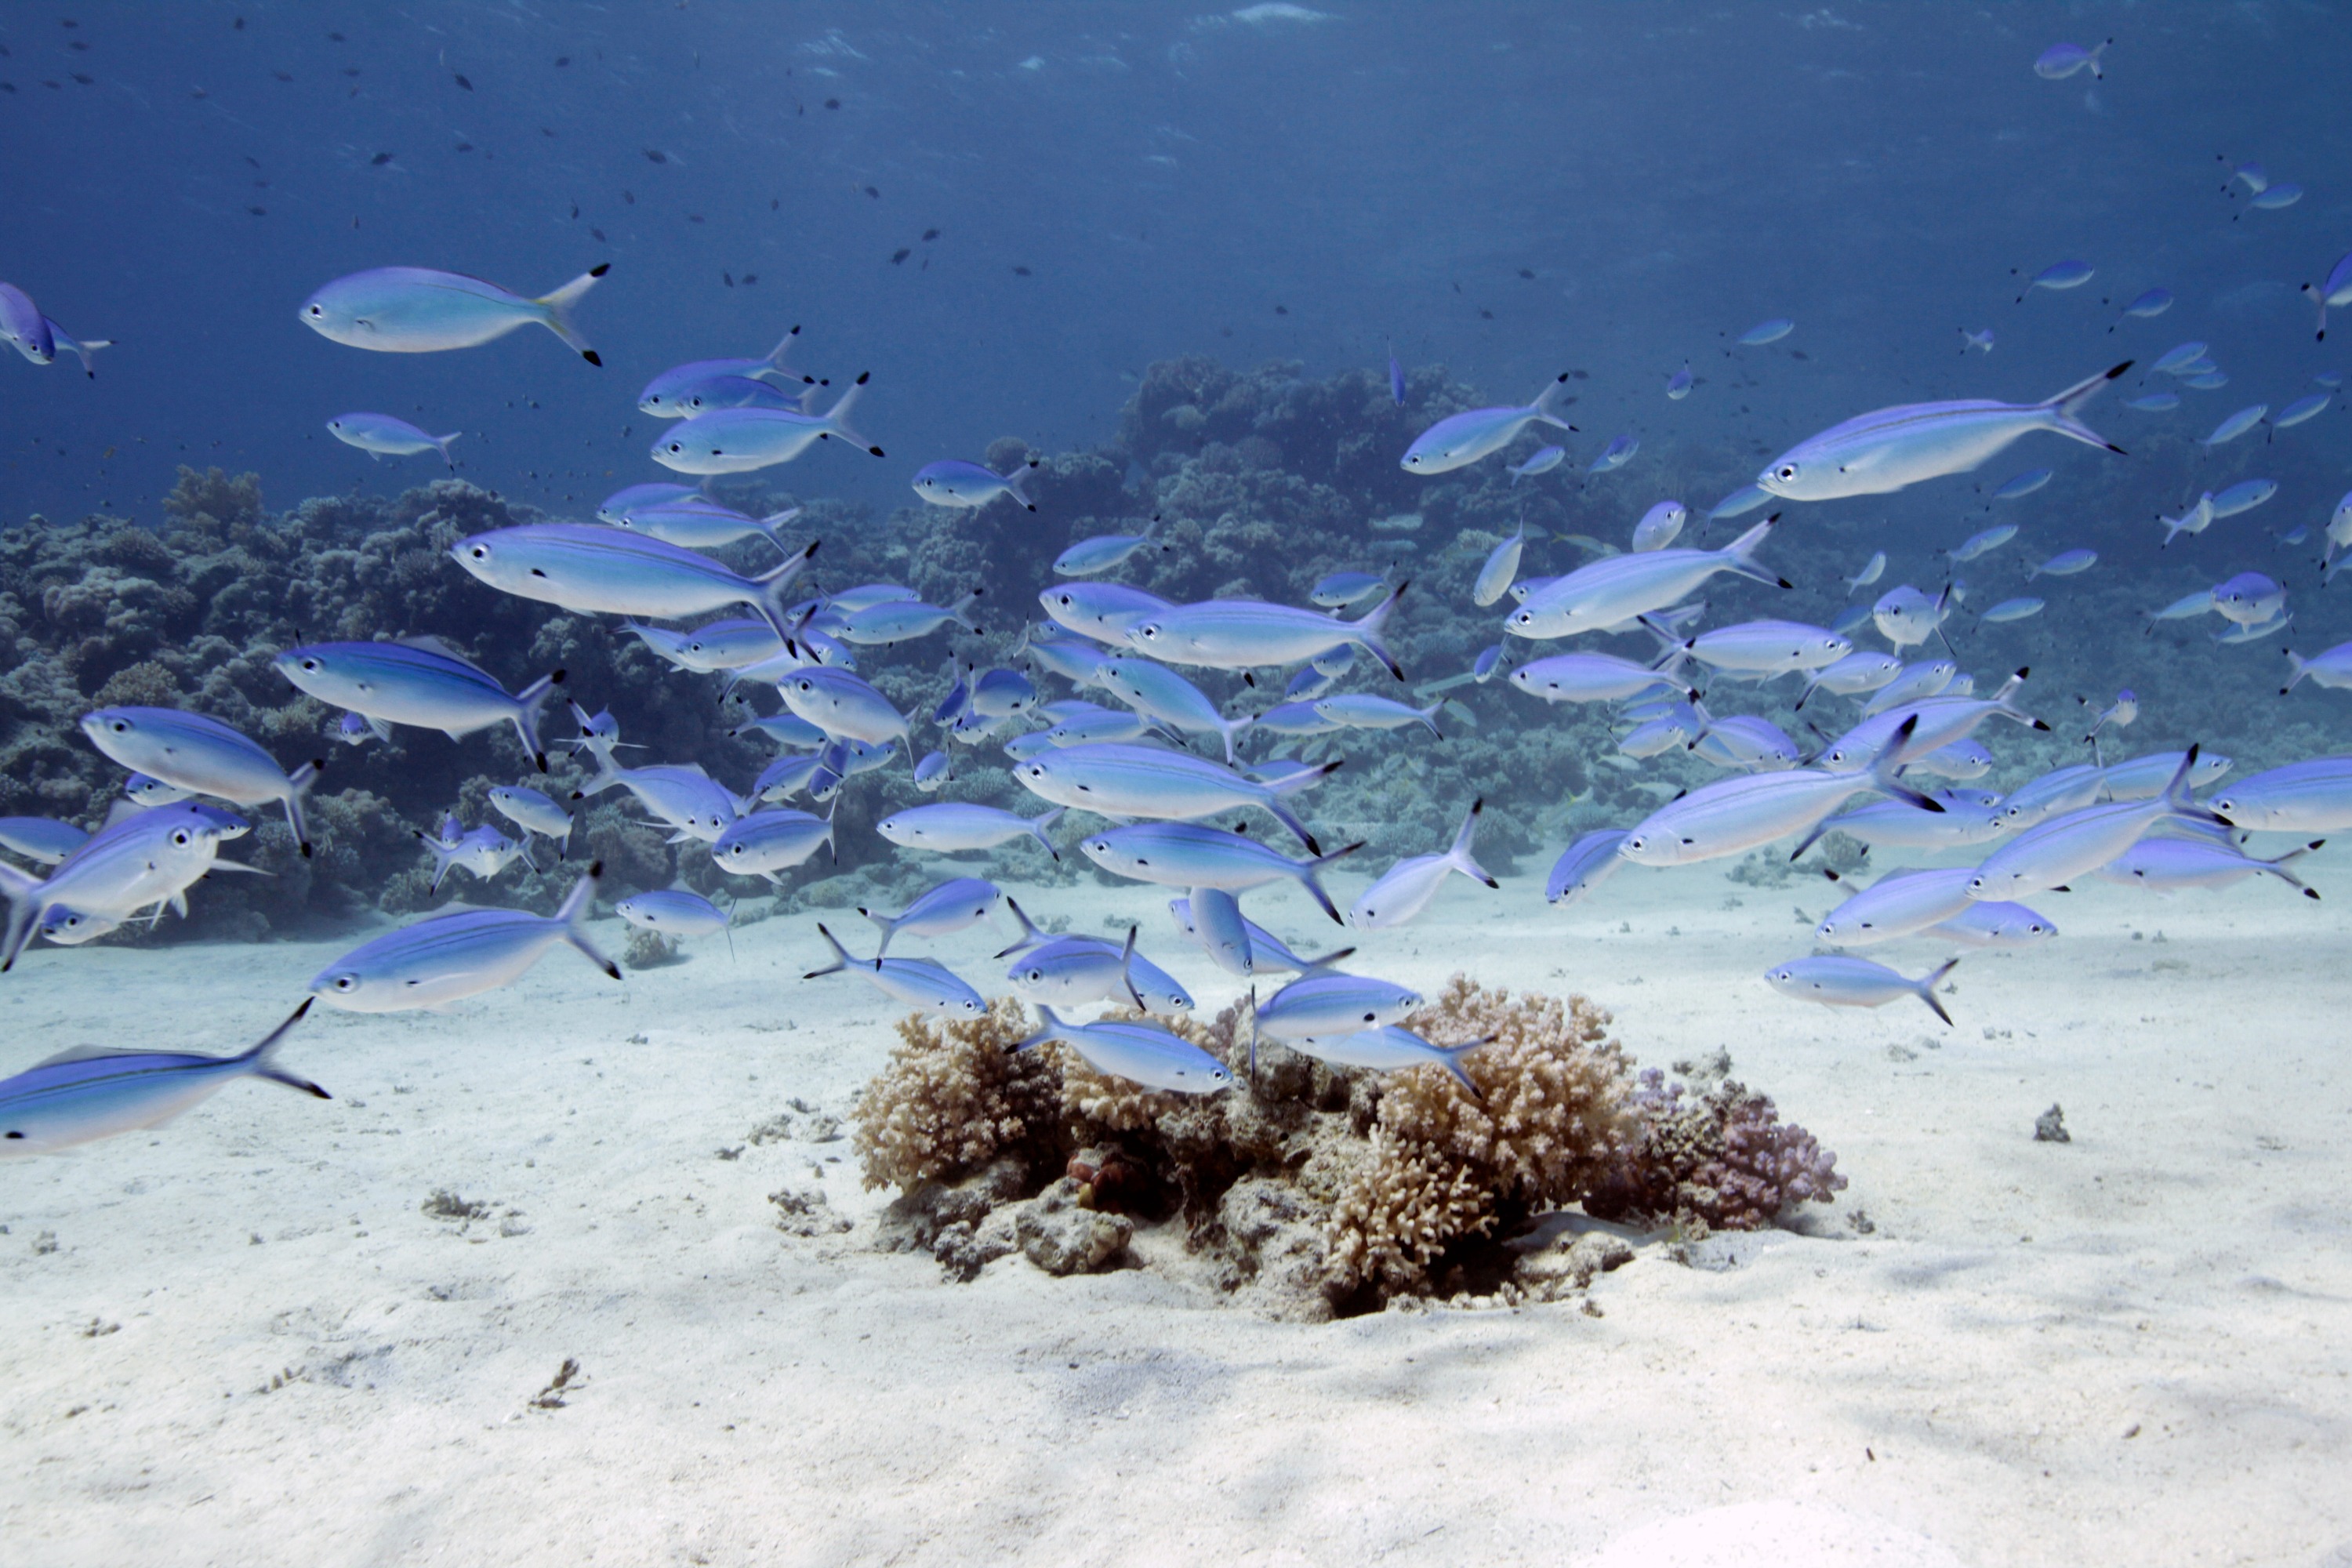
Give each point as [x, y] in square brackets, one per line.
[694, 217]
[1282, 310]
[335, 38]
[930, 234]
[575, 209]
[875, 193]
[900, 255]
[728, 279]
[833, 103]
[351, 70]
[749, 278]
[258, 212]
[629, 198]
[655, 155]
[381, 158]
[461, 81]
[85, 80]
[1525, 273]
[563, 60]
[1021, 272]
[464, 146]
[282, 75]
[599, 234]
[1486, 315]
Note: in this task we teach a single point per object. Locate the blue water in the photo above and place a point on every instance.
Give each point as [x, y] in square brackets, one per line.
[1173, 180]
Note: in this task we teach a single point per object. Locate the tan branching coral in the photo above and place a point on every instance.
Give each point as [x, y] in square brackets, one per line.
[1556, 1113]
[953, 1097]
[1407, 1203]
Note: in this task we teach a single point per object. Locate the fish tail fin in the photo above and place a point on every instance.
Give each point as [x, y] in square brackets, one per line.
[2063, 408]
[1927, 988]
[1018, 478]
[441, 444]
[1309, 874]
[85, 347]
[258, 1062]
[1739, 555]
[776, 520]
[1450, 1058]
[1428, 717]
[558, 305]
[776, 355]
[887, 924]
[2313, 290]
[1030, 935]
[1229, 728]
[2176, 798]
[1126, 972]
[1043, 826]
[528, 703]
[1886, 768]
[2276, 863]
[23, 891]
[1337, 955]
[960, 611]
[298, 790]
[773, 583]
[1552, 404]
[577, 905]
[2300, 666]
[1459, 856]
[1049, 1028]
[1367, 633]
[836, 419]
[841, 959]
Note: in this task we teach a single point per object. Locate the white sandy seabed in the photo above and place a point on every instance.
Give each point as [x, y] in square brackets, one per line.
[242, 1339]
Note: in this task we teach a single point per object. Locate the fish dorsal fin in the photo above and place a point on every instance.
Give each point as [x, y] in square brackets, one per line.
[77, 1054]
[425, 642]
[122, 811]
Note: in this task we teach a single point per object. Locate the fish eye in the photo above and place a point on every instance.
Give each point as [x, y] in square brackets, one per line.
[480, 552]
[346, 983]
[310, 664]
[317, 311]
[1785, 473]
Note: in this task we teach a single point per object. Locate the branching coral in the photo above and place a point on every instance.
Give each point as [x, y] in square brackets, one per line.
[1554, 1112]
[1722, 1158]
[953, 1098]
[1408, 1203]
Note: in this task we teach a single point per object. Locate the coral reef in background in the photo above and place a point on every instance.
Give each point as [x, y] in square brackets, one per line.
[1309, 1192]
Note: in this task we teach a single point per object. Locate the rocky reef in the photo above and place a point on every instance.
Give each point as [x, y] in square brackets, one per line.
[1305, 1192]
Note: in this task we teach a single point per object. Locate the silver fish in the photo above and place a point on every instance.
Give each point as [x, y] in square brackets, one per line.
[1158, 693]
[767, 842]
[1897, 905]
[1101, 553]
[1391, 1050]
[1098, 610]
[740, 440]
[203, 755]
[419, 309]
[1502, 566]
[2163, 865]
[1405, 888]
[1995, 925]
[611, 571]
[418, 680]
[1186, 855]
[1733, 815]
[939, 911]
[1584, 866]
[1460, 440]
[1854, 674]
[2310, 796]
[39, 839]
[1763, 649]
[1610, 591]
[83, 1095]
[2054, 852]
[446, 958]
[1074, 970]
[1266, 951]
[1245, 634]
[1140, 1053]
[1660, 526]
[672, 911]
[1592, 677]
[953, 826]
[1839, 981]
[1116, 780]
[1326, 1003]
[1889, 449]
[919, 983]
[843, 705]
